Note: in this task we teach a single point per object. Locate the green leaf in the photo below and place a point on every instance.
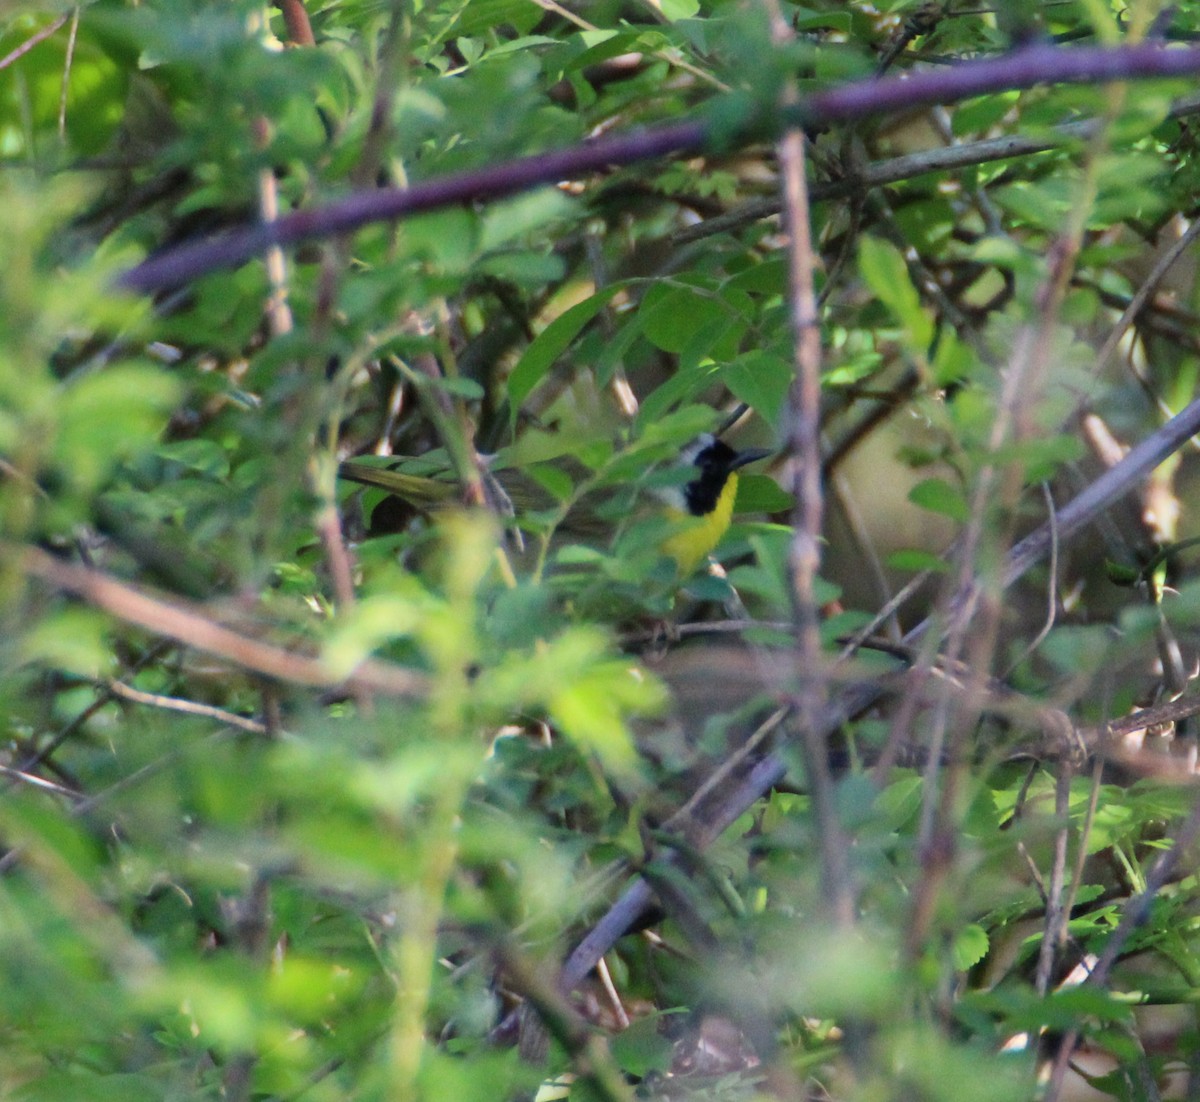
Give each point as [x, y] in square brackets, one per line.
[202, 456]
[916, 560]
[524, 267]
[460, 386]
[953, 361]
[373, 621]
[448, 238]
[806, 19]
[643, 1047]
[1120, 574]
[74, 640]
[759, 493]
[970, 946]
[761, 380]
[939, 496]
[109, 416]
[517, 218]
[678, 9]
[552, 342]
[885, 272]
[1077, 649]
[69, 1086]
[671, 315]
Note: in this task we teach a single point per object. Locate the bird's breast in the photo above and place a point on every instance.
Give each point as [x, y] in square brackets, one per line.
[694, 537]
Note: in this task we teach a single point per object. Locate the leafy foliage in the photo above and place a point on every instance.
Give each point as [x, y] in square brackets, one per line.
[311, 791]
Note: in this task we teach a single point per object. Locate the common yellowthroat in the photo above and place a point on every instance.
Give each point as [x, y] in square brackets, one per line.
[696, 512]
[699, 512]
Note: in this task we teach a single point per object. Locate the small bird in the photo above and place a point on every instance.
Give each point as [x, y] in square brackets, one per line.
[701, 510]
[696, 512]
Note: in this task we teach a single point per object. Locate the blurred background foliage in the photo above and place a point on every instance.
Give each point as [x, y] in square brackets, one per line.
[226, 879]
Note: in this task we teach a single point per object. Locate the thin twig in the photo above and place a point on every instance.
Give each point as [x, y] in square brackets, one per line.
[1054, 934]
[670, 56]
[1136, 304]
[31, 41]
[187, 707]
[729, 765]
[911, 165]
[85, 805]
[804, 554]
[68, 60]
[864, 545]
[972, 608]
[1110, 487]
[1051, 584]
[104, 696]
[35, 781]
[588, 1050]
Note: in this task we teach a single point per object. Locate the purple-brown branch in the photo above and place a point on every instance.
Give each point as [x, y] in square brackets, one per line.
[178, 266]
[1033, 65]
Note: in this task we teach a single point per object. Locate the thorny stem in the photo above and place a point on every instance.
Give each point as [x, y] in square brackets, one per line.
[1020, 69]
[804, 447]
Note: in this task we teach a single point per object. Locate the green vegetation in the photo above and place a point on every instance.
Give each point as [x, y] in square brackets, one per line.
[312, 793]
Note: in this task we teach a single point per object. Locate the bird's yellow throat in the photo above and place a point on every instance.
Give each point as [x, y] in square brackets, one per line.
[693, 538]
[694, 516]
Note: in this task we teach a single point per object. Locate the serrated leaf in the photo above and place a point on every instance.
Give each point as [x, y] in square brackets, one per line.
[970, 946]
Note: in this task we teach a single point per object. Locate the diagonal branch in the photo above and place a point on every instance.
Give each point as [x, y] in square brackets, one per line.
[1021, 69]
[190, 626]
[1007, 147]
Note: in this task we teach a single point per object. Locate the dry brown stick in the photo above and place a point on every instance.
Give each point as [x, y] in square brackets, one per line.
[191, 626]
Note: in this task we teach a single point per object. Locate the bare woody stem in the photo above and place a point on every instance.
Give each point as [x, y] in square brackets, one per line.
[1025, 68]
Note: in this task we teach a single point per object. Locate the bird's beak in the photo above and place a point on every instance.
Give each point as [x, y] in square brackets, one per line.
[751, 455]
